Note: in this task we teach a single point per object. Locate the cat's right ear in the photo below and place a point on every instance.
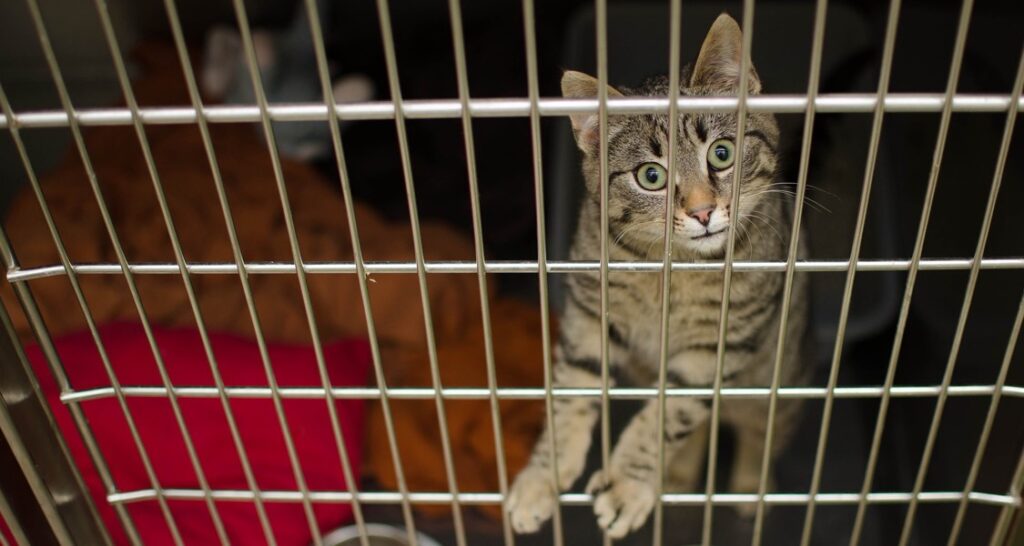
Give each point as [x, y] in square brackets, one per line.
[718, 64]
[577, 85]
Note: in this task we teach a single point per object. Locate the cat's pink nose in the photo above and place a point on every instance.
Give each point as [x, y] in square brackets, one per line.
[702, 215]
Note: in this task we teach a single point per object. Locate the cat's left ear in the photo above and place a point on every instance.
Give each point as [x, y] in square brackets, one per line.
[718, 64]
[577, 85]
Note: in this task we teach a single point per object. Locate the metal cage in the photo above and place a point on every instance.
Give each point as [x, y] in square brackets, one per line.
[60, 509]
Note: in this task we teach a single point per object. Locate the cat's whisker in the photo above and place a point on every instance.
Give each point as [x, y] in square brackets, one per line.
[766, 221]
[816, 205]
[650, 247]
[813, 202]
[742, 230]
[809, 187]
[760, 233]
[636, 227]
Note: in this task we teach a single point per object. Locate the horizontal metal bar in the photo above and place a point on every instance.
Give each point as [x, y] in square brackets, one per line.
[515, 107]
[527, 393]
[575, 499]
[501, 266]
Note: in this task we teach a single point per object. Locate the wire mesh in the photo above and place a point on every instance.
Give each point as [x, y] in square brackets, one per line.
[533, 107]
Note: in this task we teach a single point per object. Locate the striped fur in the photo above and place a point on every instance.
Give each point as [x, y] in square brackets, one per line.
[624, 492]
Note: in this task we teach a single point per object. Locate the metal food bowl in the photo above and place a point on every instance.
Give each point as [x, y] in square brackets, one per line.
[378, 534]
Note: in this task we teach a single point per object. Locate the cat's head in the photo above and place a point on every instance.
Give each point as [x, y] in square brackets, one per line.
[706, 159]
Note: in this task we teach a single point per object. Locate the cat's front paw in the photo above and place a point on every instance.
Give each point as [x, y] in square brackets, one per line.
[621, 504]
[531, 500]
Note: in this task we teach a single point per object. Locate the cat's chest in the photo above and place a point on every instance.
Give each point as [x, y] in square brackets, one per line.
[637, 302]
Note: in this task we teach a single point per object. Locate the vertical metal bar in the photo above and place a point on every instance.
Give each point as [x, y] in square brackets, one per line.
[357, 252]
[316, 34]
[675, 24]
[1010, 515]
[1011, 117]
[533, 90]
[844, 313]
[293, 240]
[421, 272]
[601, 32]
[716, 399]
[915, 258]
[813, 79]
[243, 456]
[459, 45]
[147, 153]
[965, 308]
[869, 170]
[93, 182]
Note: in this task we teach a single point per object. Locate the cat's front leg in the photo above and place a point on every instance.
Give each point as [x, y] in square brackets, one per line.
[625, 492]
[533, 496]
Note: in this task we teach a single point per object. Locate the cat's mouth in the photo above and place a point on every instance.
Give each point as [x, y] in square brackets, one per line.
[708, 233]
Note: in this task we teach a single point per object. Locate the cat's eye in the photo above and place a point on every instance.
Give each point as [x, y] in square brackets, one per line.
[651, 176]
[721, 154]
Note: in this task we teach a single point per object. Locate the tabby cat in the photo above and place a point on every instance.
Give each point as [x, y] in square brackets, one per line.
[704, 177]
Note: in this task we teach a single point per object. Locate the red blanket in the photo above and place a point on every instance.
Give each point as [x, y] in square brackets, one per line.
[240, 365]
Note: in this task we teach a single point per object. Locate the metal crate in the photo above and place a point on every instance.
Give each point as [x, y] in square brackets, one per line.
[61, 509]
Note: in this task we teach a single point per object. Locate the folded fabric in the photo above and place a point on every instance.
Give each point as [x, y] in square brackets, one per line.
[239, 362]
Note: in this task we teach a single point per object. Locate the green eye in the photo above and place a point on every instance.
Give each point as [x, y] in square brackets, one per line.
[721, 154]
[651, 176]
